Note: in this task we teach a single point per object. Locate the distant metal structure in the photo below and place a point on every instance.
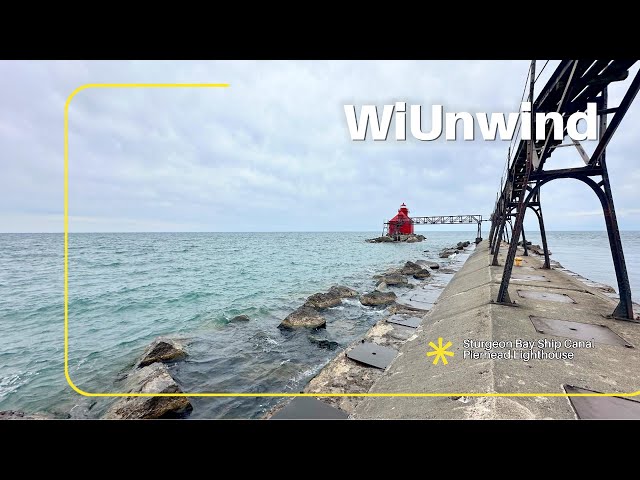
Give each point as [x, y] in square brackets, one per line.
[573, 85]
[445, 220]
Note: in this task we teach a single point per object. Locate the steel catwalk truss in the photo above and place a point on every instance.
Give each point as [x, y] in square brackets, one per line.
[572, 85]
[443, 220]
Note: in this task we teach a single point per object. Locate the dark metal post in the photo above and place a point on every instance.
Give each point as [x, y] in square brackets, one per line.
[492, 231]
[543, 233]
[503, 293]
[497, 241]
[624, 310]
[524, 244]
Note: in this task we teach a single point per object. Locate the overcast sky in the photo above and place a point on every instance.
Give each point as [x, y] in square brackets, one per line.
[273, 151]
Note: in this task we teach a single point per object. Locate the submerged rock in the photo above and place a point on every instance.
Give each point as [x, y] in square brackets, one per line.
[162, 350]
[410, 268]
[323, 342]
[303, 317]
[378, 298]
[379, 239]
[342, 291]
[393, 279]
[413, 238]
[239, 318]
[154, 378]
[17, 415]
[410, 238]
[321, 301]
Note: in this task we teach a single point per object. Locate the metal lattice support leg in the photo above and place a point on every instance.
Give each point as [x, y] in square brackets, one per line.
[503, 293]
[498, 241]
[624, 310]
[496, 220]
[543, 236]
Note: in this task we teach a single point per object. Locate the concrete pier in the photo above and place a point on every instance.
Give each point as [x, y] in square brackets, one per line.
[606, 361]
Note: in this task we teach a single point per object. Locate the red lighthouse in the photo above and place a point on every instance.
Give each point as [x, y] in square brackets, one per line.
[401, 224]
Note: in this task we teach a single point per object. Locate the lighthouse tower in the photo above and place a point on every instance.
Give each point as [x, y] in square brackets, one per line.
[401, 224]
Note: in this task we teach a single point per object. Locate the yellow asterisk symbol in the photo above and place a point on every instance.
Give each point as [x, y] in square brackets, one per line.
[440, 351]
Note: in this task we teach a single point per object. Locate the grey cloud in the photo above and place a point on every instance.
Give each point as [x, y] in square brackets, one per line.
[270, 153]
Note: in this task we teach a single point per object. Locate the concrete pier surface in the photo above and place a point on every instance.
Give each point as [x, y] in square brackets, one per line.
[592, 358]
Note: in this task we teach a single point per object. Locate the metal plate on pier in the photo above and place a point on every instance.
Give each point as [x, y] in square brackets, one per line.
[535, 278]
[547, 296]
[578, 331]
[405, 320]
[307, 408]
[372, 354]
[419, 298]
[602, 408]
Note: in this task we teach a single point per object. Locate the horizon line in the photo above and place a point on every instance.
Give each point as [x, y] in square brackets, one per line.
[277, 231]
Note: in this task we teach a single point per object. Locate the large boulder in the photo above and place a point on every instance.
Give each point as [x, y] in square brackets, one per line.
[423, 273]
[537, 249]
[447, 252]
[410, 268]
[413, 239]
[321, 301]
[304, 317]
[393, 279]
[428, 264]
[342, 291]
[154, 378]
[377, 298]
[381, 287]
[162, 350]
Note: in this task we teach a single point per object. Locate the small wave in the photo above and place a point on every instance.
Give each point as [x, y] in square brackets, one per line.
[351, 301]
[13, 382]
[304, 374]
[264, 342]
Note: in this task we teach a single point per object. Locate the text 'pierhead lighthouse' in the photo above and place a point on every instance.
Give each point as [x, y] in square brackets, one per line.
[401, 224]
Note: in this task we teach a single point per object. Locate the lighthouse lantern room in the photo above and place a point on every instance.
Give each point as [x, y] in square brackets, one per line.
[401, 224]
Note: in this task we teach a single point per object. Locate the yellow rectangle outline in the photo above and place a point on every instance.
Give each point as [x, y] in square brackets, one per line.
[66, 291]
